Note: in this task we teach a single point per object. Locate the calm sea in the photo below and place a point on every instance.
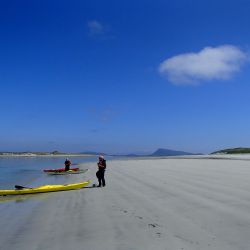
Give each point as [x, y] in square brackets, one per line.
[27, 170]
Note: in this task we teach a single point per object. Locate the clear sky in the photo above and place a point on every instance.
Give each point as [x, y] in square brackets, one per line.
[124, 76]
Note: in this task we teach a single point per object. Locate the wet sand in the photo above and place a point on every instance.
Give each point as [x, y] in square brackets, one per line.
[162, 204]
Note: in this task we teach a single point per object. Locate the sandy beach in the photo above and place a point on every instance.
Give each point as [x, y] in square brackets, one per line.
[162, 204]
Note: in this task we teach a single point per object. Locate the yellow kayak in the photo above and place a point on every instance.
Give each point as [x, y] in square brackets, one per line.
[45, 189]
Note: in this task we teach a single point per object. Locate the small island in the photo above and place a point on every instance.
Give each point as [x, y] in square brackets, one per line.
[233, 151]
[53, 153]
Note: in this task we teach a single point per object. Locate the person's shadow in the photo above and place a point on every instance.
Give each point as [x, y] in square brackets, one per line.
[93, 186]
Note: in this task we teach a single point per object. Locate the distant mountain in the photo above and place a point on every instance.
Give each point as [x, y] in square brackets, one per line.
[169, 152]
[158, 152]
[233, 151]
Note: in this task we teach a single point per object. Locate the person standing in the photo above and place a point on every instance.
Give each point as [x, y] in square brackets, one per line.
[101, 171]
[67, 164]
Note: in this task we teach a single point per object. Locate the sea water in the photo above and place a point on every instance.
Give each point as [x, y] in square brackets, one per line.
[26, 171]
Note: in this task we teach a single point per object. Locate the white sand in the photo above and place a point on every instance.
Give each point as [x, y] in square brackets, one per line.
[167, 204]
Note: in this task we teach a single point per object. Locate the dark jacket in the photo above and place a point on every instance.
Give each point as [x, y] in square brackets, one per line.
[67, 163]
[102, 164]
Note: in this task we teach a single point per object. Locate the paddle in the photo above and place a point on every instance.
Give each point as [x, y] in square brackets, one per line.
[17, 187]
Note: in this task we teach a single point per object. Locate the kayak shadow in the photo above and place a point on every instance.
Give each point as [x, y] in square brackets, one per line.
[23, 198]
[26, 197]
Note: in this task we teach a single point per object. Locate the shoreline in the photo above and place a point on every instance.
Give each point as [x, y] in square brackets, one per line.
[243, 157]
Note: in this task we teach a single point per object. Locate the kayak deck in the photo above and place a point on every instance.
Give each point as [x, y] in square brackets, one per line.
[46, 188]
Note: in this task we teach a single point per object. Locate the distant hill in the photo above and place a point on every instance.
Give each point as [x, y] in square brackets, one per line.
[158, 152]
[169, 152]
[233, 151]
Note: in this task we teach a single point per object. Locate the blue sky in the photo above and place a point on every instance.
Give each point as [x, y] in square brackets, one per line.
[124, 76]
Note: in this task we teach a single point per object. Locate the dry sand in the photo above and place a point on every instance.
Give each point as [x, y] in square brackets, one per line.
[161, 204]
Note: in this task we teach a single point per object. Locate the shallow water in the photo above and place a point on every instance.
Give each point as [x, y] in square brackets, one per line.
[27, 170]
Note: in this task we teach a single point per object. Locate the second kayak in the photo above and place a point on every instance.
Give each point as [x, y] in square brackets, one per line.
[59, 170]
[80, 171]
